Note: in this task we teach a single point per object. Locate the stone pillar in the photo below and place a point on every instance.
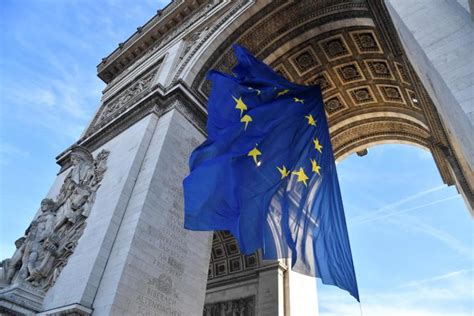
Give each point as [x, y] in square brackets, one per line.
[261, 291]
[302, 294]
[79, 280]
[271, 298]
[156, 267]
[442, 57]
[132, 256]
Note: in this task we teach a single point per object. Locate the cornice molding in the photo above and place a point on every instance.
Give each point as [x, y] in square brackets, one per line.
[152, 33]
[159, 101]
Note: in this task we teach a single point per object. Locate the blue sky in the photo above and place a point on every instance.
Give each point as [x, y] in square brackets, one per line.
[411, 236]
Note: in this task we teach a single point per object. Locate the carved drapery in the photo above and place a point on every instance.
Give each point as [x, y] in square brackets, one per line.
[51, 238]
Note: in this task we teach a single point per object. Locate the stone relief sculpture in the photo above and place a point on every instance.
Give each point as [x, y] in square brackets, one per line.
[239, 307]
[52, 236]
[126, 96]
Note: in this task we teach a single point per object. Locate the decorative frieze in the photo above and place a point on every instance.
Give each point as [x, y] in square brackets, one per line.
[127, 96]
[186, 23]
[238, 307]
[377, 130]
[166, 25]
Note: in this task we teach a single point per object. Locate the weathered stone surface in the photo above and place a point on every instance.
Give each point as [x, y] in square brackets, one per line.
[439, 54]
[21, 298]
[157, 267]
[79, 280]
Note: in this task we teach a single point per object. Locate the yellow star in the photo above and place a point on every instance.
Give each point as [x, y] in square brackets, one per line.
[299, 100]
[315, 167]
[284, 173]
[254, 153]
[246, 119]
[283, 92]
[240, 105]
[317, 145]
[302, 177]
[311, 120]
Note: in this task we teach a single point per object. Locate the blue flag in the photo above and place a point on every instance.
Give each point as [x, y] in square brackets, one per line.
[267, 173]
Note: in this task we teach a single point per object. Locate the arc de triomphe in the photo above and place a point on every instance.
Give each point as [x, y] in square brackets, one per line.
[108, 239]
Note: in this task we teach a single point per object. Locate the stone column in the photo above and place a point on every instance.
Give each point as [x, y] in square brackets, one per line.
[156, 267]
[131, 255]
[441, 55]
[302, 294]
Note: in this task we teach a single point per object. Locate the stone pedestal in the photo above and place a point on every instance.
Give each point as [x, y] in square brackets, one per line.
[21, 298]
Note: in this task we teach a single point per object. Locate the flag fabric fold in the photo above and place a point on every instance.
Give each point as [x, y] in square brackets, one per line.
[267, 173]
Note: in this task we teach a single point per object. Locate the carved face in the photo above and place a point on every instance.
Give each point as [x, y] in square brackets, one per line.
[19, 242]
[47, 205]
[75, 159]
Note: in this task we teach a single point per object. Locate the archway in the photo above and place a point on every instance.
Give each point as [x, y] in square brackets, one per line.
[378, 235]
[152, 115]
[351, 49]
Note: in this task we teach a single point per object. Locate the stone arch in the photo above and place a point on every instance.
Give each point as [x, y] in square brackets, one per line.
[372, 93]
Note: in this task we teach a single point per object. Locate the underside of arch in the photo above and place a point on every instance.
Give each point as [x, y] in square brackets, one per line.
[371, 93]
[351, 49]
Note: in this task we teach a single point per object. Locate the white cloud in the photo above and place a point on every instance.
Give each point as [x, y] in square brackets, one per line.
[43, 96]
[382, 214]
[390, 209]
[413, 224]
[445, 276]
[384, 310]
[9, 152]
[424, 155]
[52, 84]
[436, 296]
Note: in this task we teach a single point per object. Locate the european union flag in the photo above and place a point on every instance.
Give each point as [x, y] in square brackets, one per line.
[267, 173]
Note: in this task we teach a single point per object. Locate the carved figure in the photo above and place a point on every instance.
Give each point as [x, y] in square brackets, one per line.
[36, 234]
[53, 235]
[76, 189]
[140, 86]
[11, 266]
